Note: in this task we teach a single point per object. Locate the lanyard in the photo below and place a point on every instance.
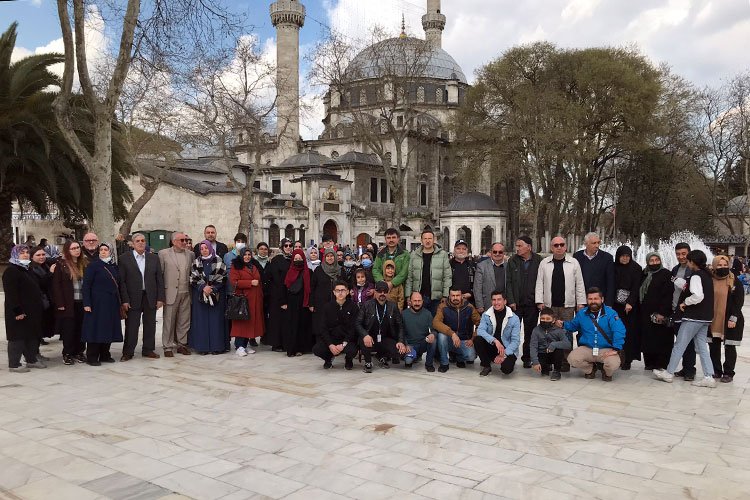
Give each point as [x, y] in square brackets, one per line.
[377, 314]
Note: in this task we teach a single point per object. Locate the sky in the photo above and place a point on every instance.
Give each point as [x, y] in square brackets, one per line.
[704, 41]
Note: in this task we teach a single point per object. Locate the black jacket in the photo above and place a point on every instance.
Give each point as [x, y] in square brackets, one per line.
[131, 281]
[367, 317]
[338, 322]
[321, 288]
[598, 272]
[515, 280]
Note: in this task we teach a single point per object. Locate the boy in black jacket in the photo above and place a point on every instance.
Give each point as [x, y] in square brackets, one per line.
[337, 333]
[548, 345]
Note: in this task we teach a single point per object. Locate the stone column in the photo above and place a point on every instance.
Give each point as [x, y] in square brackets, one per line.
[433, 24]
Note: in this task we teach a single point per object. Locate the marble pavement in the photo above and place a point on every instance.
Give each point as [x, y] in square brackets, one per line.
[266, 426]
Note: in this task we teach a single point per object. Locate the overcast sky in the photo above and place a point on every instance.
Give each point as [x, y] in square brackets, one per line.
[703, 40]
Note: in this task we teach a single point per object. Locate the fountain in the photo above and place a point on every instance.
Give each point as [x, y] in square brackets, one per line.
[665, 248]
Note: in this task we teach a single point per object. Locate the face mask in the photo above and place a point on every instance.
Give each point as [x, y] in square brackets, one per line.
[298, 264]
[366, 263]
[722, 272]
[239, 246]
[545, 324]
[106, 259]
[654, 267]
[24, 262]
[348, 263]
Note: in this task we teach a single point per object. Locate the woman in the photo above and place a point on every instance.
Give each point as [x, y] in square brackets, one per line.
[276, 272]
[102, 323]
[313, 259]
[655, 295]
[43, 275]
[24, 309]
[627, 285]
[246, 279]
[697, 307]
[296, 298]
[207, 326]
[67, 295]
[728, 321]
[321, 288]
[347, 269]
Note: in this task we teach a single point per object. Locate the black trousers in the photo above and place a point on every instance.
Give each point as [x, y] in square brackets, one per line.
[657, 360]
[321, 350]
[27, 348]
[70, 331]
[98, 351]
[133, 324]
[386, 348]
[487, 352]
[730, 357]
[529, 314]
[552, 360]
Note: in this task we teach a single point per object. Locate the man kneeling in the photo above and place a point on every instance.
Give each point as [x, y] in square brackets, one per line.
[498, 336]
[338, 334]
[601, 336]
[417, 333]
[380, 328]
[456, 322]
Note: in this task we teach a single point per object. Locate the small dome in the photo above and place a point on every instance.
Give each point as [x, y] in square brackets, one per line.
[473, 201]
[438, 63]
[306, 159]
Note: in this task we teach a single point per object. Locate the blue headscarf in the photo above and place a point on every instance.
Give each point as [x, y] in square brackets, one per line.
[15, 252]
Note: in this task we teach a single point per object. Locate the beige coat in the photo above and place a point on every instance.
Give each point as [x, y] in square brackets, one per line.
[176, 268]
[575, 291]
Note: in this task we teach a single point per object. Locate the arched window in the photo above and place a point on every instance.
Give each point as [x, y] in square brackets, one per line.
[289, 232]
[273, 236]
[420, 94]
[302, 235]
[464, 233]
[446, 238]
[363, 97]
[488, 237]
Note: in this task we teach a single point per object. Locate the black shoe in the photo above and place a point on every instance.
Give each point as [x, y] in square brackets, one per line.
[527, 364]
[460, 364]
[625, 366]
[348, 364]
[327, 365]
[367, 368]
[80, 358]
[605, 377]
[545, 373]
[443, 368]
[93, 363]
[384, 363]
[108, 360]
[555, 376]
[679, 373]
[485, 371]
[689, 378]
[429, 368]
[253, 342]
[408, 365]
[68, 360]
[452, 357]
[565, 367]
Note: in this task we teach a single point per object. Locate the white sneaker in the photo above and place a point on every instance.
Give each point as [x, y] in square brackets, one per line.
[705, 382]
[250, 350]
[241, 352]
[664, 375]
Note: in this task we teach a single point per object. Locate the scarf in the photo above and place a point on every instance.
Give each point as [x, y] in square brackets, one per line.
[15, 252]
[212, 253]
[332, 270]
[649, 274]
[262, 261]
[293, 273]
[722, 287]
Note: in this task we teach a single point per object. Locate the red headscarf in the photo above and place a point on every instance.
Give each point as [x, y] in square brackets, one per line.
[293, 273]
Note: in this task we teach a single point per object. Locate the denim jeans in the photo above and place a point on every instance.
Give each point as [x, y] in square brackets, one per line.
[463, 353]
[421, 347]
[695, 332]
[241, 342]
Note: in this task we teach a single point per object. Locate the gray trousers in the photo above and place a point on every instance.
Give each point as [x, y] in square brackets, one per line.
[27, 347]
[176, 322]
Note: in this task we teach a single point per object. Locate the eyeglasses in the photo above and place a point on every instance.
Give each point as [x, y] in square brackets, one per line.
[342, 290]
[558, 245]
[495, 252]
[90, 241]
[287, 245]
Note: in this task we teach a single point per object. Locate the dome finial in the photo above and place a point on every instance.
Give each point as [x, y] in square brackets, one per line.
[403, 27]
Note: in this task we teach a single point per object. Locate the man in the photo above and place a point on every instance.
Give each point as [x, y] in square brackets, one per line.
[392, 251]
[559, 282]
[490, 276]
[456, 322]
[176, 263]
[523, 268]
[418, 334]
[597, 267]
[380, 328]
[682, 273]
[90, 246]
[429, 272]
[463, 269]
[498, 336]
[601, 336]
[209, 233]
[240, 242]
[338, 335]
[142, 293]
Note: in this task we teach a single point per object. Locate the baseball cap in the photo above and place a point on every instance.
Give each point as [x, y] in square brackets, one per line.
[381, 286]
[461, 242]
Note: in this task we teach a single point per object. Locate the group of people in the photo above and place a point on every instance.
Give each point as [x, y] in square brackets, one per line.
[388, 303]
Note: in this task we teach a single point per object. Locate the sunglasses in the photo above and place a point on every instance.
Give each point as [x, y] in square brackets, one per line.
[494, 252]
[184, 240]
[558, 245]
[287, 245]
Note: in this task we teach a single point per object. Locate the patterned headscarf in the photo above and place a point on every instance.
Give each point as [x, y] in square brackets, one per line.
[212, 252]
[15, 252]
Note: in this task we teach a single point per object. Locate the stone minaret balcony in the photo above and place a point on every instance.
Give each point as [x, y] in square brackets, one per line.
[288, 12]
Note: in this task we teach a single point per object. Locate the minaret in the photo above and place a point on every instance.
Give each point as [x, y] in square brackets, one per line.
[433, 23]
[287, 16]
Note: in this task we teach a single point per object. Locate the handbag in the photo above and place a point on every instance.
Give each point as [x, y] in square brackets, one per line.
[123, 311]
[622, 295]
[237, 308]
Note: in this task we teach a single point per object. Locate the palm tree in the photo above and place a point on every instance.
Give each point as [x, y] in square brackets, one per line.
[37, 167]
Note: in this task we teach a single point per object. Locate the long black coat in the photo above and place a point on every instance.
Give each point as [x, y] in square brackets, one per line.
[101, 293]
[629, 278]
[276, 272]
[733, 336]
[321, 293]
[658, 299]
[44, 277]
[22, 296]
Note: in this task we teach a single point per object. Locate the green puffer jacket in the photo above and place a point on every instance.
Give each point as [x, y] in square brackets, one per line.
[440, 272]
[400, 257]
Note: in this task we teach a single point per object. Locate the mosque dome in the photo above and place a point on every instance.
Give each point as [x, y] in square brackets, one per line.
[473, 201]
[399, 55]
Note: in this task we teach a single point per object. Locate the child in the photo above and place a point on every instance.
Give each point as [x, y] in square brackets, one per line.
[548, 345]
[397, 292]
[363, 290]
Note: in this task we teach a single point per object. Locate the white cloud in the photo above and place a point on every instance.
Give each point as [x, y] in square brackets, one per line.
[577, 10]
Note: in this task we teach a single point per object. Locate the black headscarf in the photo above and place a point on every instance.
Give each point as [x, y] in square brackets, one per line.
[627, 276]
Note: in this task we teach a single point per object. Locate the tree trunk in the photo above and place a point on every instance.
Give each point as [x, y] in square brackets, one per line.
[100, 175]
[6, 224]
[137, 206]
[246, 199]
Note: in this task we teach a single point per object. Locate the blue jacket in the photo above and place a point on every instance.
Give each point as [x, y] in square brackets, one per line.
[510, 330]
[608, 320]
